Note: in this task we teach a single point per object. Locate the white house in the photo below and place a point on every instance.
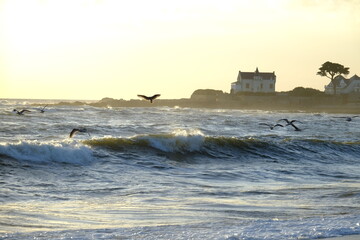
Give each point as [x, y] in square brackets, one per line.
[263, 82]
[344, 85]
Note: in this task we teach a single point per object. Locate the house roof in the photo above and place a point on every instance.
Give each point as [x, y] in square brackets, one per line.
[355, 77]
[263, 75]
[347, 81]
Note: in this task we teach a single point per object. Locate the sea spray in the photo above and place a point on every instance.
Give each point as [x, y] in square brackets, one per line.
[53, 151]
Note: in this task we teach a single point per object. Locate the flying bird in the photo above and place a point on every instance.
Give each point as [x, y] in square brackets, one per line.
[21, 112]
[291, 123]
[75, 130]
[151, 99]
[287, 121]
[349, 119]
[271, 126]
[43, 109]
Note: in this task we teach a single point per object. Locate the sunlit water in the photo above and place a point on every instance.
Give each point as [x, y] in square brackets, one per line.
[175, 173]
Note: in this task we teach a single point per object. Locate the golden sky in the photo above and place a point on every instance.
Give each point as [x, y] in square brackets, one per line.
[77, 49]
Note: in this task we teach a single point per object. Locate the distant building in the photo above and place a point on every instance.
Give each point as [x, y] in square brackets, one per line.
[257, 82]
[344, 85]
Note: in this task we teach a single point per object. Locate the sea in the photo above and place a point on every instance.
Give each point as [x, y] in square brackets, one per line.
[176, 173]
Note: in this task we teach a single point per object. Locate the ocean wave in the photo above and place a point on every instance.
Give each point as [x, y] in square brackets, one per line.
[194, 141]
[183, 141]
[61, 152]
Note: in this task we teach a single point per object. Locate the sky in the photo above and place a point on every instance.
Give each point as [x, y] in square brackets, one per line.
[77, 49]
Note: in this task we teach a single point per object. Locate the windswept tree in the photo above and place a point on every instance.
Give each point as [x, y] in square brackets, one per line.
[331, 71]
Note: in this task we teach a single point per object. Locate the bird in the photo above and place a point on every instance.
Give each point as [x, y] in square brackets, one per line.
[349, 119]
[151, 99]
[287, 121]
[271, 126]
[291, 123]
[43, 109]
[21, 112]
[75, 130]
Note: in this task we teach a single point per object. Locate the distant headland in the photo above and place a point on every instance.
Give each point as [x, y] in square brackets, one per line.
[299, 99]
[256, 91]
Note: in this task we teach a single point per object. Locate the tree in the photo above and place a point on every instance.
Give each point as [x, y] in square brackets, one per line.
[332, 70]
[305, 92]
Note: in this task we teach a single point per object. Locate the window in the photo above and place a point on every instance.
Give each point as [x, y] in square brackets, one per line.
[271, 86]
[261, 86]
[247, 85]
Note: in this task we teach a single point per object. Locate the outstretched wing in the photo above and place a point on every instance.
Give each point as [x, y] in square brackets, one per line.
[144, 97]
[24, 110]
[284, 119]
[75, 130]
[155, 96]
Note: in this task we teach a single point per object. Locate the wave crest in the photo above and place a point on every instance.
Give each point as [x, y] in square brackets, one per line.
[178, 141]
[184, 142]
[61, 152]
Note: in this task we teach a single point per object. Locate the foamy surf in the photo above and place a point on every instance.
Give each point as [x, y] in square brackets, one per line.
[47, 152]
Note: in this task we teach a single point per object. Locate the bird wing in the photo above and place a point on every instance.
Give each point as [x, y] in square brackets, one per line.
[24, 110]
[296, 128]
[155, 96]
[265, 124]
[284, 119]
[278, 125]
[144, 97]
[75, 130]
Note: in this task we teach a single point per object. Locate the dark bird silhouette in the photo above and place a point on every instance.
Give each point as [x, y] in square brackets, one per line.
[271, 126]
[295, 127]
[43, 109]
[287, 121]
[151, 99]
[291, 123]
[21, 112]
[349, 119]
[75, 130]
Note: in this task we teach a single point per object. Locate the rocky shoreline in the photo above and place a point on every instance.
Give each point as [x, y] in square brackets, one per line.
[328, 104]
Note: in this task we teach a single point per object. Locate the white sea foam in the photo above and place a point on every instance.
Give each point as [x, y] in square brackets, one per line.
[64, 152]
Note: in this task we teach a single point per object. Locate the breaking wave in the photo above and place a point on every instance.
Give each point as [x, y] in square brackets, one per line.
[60, 152]
[186, 142]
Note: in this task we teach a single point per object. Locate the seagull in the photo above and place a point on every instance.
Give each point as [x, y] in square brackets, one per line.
[271, 126]
[349, 119]
[288, 122]
[149, 98]
[43, 109]
[291, 123]
[75, 130]
[21, 112]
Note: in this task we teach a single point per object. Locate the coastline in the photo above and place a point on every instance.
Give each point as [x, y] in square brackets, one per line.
[263, 103]
[309, 104]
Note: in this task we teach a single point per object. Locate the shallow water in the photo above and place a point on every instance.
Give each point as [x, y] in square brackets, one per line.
[176, 173]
